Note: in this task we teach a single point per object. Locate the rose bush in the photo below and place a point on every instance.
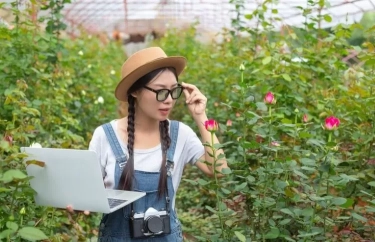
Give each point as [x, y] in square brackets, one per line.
[302, 168]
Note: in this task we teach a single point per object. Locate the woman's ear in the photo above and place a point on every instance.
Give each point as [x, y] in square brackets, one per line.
[134, 94]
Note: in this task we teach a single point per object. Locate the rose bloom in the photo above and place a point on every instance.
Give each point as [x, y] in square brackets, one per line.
[269, 98]
[211, 125]
[332, 123]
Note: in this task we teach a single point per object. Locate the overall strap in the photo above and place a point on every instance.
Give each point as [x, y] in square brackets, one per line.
[174, 125]
[121, 157]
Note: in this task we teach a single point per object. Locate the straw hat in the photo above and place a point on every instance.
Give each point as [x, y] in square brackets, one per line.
[143, 62]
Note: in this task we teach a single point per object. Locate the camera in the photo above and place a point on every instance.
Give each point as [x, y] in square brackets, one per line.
[149, 224]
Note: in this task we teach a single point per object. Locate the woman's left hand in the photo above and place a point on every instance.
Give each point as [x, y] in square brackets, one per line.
[195, 100]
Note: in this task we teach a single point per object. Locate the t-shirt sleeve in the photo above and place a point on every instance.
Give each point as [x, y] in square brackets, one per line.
[96, 145]
[193, 148]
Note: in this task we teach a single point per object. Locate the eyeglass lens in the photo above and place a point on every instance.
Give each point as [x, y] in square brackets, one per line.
[163, 93]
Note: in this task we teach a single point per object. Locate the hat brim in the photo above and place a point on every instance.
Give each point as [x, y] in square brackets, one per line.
[176, 62]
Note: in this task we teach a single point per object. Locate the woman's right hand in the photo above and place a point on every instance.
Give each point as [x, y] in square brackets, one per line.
[71, 210]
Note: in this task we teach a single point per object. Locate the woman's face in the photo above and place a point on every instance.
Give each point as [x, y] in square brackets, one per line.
[146, 99]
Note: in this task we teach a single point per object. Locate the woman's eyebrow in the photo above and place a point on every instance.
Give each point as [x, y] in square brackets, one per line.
[164, 86]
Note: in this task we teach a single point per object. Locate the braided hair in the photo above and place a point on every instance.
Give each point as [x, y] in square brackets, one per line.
[126, 179]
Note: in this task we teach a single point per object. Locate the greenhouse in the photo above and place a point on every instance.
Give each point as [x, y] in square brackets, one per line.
[237, 120]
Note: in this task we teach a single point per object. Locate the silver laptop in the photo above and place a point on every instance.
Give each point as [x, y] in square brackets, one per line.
[73, 177]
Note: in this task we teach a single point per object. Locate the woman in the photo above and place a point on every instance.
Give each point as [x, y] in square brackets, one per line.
[154, 149]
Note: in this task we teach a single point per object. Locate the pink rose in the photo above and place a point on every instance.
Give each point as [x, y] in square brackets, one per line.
[211, 125]
[305, 118]
[269, 98]
[332, 123]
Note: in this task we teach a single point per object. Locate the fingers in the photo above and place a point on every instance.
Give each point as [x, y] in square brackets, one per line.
[70, 209]
[197, 99]
[190, 87]
[186, 93]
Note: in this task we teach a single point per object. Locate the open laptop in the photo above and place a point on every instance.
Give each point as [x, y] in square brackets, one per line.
[73, 177]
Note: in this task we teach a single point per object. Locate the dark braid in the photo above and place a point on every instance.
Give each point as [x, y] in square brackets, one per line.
[126, 180]
[165, 143]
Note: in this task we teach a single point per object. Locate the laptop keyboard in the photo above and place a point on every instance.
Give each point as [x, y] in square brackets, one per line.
[114, 202]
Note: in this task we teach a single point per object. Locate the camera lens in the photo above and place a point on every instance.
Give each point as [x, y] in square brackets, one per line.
[154, 224]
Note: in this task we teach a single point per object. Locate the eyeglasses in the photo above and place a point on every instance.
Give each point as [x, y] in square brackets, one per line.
[162, 94]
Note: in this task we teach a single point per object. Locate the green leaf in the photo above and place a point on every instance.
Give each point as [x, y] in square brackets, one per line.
[3, 189]
[202, 182]
[273, 233]
[240, 236]
[307, 234]
[308, 212]
[241, 186]
[266, 60]
[308, 162]
[261, 106]
[285, 221]
[225, 191]
[11, 175]
[226, 171]
[287, 77]
[271, 222]
[349, 203]
[194, 183]
[304, 135]
[339, 200]
[286, 121]
[250, 178]
[287, 211]
[32, 234]
[12, 225]
[359, 217]
[327, 18]
[300, 174]
[371, 183]
[6, 233]
[210, 209]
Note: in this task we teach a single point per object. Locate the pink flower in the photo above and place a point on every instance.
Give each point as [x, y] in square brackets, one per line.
[8, 139]
[269, 98]
[229, 122]
[275, 143]
[211, 125]
[332, 123]
[305, 118]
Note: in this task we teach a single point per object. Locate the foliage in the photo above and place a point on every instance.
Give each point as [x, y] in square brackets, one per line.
[291, 180]
[49, 94]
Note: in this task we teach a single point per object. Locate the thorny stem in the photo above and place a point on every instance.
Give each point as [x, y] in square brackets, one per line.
[217, 183]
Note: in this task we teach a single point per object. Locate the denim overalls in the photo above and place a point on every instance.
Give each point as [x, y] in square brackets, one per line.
[115, 226]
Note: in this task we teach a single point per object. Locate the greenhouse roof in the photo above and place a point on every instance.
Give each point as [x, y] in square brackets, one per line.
[132, 16]
[145, 16]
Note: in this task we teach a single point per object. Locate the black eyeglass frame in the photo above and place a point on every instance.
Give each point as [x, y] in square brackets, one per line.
[165, 89]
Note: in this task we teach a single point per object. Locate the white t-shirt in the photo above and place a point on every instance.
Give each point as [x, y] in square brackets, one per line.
[189, 149]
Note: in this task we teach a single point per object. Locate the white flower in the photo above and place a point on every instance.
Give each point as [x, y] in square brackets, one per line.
[83, 92]
[113, 72]
[36, 145]
[80, 52]
[100, 100]
[299, 59]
